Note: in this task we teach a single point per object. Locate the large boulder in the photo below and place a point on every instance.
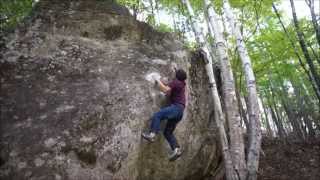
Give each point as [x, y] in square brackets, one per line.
[76, 95]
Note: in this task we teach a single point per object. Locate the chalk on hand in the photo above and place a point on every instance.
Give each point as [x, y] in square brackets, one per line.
[152, 77]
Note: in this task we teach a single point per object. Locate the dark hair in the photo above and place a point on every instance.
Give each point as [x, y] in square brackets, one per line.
[181, 75]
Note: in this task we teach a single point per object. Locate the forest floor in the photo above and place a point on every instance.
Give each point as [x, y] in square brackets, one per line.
[291, 160]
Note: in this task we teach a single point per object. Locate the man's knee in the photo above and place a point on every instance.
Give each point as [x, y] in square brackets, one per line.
[157, 115]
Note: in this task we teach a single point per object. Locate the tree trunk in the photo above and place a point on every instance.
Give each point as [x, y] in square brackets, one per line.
[219, 116]
[153, 21]
[308, 122]
[297, 130]
[269, 130]
[292, 115]
[220, 119]
[309, 74]
[243, 113]
[304, 47]
[302, 107]
[175, 27]
[314, 52]
[276, 121]
[253, 108]
[151, 5]
[210, 31]
[275, 114]
[136, 10]
[230, 100]
[316, 26]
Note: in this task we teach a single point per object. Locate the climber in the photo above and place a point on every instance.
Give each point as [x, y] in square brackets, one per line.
[175, 91]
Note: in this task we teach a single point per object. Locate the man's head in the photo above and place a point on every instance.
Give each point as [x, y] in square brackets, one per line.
[181, 75]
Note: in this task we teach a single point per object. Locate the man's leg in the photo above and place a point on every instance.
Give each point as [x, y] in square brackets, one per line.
[165, 113]
[168, 133]
[169, 112]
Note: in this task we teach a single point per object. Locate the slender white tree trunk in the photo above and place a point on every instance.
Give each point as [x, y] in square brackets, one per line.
[232, 112]
[253, 109]
[218, 114]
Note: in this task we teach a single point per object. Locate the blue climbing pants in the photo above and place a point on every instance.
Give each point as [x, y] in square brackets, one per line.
[173, 114]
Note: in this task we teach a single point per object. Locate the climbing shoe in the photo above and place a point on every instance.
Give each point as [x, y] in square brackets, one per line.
[175, 154]
[150, 136]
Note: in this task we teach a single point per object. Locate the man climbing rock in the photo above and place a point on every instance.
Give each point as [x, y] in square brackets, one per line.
[175, 91]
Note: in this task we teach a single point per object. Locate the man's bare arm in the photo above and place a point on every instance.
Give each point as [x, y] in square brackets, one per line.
[164, 88]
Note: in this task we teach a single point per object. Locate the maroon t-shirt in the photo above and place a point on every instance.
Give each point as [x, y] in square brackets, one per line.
[177, 92]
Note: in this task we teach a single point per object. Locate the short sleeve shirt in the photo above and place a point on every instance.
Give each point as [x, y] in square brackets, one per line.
[177, 92]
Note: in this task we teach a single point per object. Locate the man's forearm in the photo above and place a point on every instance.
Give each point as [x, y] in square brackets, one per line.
[163, 87]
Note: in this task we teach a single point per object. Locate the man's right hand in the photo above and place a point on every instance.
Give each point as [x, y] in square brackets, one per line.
[156, 77]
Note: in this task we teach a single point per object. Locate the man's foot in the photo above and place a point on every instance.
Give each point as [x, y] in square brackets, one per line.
[176, 154]
[151, 136]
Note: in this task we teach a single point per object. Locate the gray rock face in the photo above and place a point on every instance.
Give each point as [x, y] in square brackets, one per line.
[75, 98]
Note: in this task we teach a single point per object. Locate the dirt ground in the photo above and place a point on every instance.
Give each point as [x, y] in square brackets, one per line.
[290, 160]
